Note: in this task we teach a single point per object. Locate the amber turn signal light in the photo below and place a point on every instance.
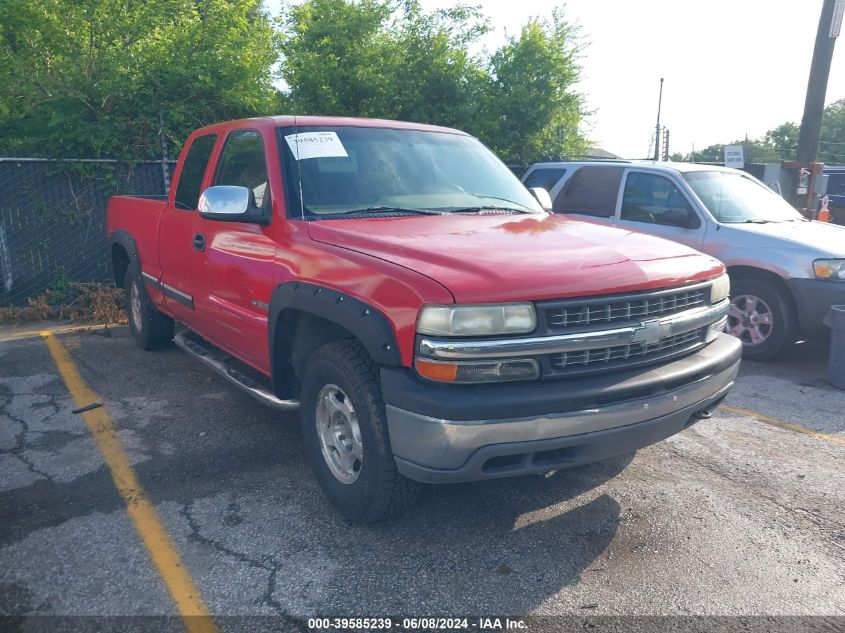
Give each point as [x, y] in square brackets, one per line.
[444, 372]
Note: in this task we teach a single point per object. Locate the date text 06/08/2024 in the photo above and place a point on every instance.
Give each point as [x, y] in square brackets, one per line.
[416, 624]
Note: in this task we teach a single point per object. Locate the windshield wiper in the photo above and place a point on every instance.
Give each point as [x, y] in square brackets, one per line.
[488, 207]
[389, 210]
[521, 206]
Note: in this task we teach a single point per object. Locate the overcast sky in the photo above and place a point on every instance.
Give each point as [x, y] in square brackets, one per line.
[731, 67]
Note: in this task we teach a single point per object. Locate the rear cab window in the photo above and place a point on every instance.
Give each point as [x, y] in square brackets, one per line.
[193, 169]
[592, 190]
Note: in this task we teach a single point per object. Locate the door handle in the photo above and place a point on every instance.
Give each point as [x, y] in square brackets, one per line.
[199, 242]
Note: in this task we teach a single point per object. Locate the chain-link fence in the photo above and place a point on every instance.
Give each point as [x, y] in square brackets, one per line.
[53, 216]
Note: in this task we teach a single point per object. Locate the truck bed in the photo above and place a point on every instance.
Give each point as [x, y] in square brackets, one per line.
[138, 216]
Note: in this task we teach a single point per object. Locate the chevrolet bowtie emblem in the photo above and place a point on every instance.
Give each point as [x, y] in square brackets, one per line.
[651, 332]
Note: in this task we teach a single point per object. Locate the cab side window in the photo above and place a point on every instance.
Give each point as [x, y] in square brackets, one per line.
[592, 190]
[242, 164]
[193, 169]
[648, 197]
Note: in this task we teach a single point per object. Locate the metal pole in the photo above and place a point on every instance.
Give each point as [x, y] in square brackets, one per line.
[811, 123]
[657, 127]
[165, 173]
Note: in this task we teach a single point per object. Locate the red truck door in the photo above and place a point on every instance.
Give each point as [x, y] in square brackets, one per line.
[237, 277]
[181, 259]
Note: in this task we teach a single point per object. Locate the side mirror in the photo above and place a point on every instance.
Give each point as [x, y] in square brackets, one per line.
[231, 204]
[683, 218]
[542, 197]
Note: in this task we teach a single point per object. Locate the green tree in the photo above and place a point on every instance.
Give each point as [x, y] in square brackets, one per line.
[781, 143]
[383, 58]
[434, 77]
[784, 140]
[336, 57]
[90, 78]
[532, 106]
[832, 147]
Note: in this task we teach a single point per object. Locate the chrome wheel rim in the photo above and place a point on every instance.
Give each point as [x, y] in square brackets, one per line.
[135, 305]
[339, 434]
[750, 319]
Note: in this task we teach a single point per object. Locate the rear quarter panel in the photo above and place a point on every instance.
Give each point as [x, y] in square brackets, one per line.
[139, 217]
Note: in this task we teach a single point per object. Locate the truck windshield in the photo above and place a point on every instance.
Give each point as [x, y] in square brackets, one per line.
[346, 171]
[734, 198]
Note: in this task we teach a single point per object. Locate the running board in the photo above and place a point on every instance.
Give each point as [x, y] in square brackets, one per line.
[224, 365]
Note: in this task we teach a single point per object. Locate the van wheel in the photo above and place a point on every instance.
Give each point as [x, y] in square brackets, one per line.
[344, 430]
[762, 317]
[151, 328]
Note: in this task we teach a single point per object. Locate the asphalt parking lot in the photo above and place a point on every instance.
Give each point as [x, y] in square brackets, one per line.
[740, 514]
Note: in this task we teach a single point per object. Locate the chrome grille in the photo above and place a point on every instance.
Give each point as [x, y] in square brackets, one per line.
[586, 313]
[626, 355]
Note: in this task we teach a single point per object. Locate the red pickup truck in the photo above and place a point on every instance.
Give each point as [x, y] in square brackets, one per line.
[398, 285]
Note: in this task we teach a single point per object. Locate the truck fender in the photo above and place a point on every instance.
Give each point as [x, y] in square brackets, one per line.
[127, 242]
[347, 314]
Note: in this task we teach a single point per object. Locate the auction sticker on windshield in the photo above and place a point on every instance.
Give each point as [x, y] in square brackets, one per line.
[316, 145]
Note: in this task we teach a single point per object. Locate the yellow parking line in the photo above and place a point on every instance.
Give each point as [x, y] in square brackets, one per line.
[184, 592]
[790, 426]
[15, 336]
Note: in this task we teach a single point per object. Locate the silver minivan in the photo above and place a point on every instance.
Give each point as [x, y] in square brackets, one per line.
[786, 271]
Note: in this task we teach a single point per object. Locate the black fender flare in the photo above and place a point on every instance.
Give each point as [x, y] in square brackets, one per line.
[127, 242]
[362, 320]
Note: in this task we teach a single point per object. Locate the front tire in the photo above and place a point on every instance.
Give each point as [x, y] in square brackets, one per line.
[762, 317]
[344, 430]
[150, 328]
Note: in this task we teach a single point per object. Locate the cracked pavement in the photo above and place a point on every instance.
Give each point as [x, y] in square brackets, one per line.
[733, 516]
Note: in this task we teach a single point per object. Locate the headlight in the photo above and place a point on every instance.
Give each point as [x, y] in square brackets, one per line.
[721, 289]
[829, 269]
[477, 320]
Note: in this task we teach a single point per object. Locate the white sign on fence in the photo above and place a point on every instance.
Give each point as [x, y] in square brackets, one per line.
[734, 156]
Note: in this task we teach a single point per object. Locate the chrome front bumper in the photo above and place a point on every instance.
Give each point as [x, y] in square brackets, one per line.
[434, 449]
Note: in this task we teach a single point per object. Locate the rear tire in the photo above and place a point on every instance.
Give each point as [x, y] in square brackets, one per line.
[762, 317]
[344, 430]
[150, 328]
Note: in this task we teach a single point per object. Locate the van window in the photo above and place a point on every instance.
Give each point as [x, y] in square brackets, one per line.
[193, 169]
[592, 190]
[648, 196]
[545, 177]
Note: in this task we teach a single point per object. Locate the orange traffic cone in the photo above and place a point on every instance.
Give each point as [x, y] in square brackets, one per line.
[824, 212]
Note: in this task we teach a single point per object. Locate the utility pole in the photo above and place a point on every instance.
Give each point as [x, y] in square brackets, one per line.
[811, 122]
[666, 144]
[657, 127]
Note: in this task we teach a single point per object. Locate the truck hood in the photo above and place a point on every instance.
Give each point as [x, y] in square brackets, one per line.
[822, 238]
[493, 258]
